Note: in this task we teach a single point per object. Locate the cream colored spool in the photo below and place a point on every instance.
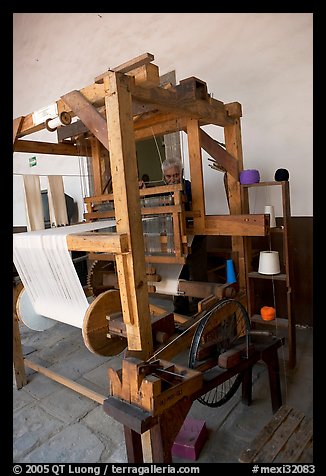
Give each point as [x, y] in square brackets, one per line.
[269, 210]
[269, 262]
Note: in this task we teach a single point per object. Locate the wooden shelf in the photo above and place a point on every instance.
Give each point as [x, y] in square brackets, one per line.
[278, 322]
[262, 184]
[285, 277]
[275, 277]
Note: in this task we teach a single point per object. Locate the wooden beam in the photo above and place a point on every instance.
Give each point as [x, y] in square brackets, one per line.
[131, 267]
[153, 118]
[234, 109]
[96, 165]
[196, 173]
[97, 397]
[160, 129]
[191, 88]
[238, 198]
[94, 93]
[128, 65]
[89, 115]
[74, 129]
[201, 289]
[17, 125]
[236, 225]
[19, 368]
[162, 189]
[147, 75]
[134, 63]
[207, 111]
[37, 147]
[221, 156]
[77, 128]
[100, 242]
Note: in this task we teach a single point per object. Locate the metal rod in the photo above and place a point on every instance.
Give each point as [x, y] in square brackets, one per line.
[80, 258]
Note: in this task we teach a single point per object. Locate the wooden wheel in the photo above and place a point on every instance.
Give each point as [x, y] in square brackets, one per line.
[95, 325]
[225, 325]
[28, 316]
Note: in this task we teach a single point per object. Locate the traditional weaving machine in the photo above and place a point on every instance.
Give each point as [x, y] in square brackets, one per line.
[134, 238]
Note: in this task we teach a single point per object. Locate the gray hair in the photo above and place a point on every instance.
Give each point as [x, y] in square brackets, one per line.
[168, 163]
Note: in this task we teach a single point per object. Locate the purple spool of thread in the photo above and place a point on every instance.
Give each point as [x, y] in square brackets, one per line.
[249, 176]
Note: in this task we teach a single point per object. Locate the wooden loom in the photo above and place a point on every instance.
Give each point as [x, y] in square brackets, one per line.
[122, 106]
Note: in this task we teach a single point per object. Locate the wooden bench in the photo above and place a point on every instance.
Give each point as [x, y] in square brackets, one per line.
[286, 438]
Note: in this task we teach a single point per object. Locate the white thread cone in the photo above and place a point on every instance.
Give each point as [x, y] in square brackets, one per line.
[269, 209]
[269, 262]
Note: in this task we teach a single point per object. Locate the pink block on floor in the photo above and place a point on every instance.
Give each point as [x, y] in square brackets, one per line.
[190, 439]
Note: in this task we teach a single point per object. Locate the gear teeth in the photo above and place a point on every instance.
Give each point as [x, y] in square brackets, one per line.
[96, 266]
[90, 277]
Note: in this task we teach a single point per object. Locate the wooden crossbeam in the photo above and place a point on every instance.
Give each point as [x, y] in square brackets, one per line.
[221, 156]
[38, 147]
[236, 225]
[127, 66]
[100, 242]
[207, 111]
[88, 114]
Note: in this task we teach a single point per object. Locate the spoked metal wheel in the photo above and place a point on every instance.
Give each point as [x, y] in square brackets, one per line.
[224, 326]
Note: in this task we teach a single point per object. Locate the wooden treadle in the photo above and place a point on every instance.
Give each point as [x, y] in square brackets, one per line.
[286, 438]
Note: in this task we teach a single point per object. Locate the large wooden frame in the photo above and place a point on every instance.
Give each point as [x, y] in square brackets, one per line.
[122, 106]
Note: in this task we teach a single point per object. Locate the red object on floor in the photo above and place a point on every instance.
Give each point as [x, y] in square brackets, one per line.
[190, 439]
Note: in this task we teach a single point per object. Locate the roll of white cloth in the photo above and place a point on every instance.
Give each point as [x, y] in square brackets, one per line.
[46, 269]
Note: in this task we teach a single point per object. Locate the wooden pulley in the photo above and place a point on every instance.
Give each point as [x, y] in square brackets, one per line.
[17, 289]
[95, 325]
[64, 119]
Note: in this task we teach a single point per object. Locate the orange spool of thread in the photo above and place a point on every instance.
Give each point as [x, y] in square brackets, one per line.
[268, 313]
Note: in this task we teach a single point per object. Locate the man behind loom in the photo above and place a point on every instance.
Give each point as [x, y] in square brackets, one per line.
[195, 268]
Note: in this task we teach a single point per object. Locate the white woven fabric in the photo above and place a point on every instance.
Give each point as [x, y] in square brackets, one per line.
[45, 267]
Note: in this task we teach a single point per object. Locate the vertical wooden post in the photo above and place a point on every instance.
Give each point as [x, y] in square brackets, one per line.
[96, 166]
[196, 174]
[18, 357]
[19, 367]
[16, 129]
[131, 266]
[238, 199]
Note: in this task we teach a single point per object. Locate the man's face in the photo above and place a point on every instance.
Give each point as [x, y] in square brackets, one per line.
[172, 175]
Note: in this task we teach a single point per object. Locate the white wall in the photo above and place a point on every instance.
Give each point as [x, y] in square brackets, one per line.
[262, 60]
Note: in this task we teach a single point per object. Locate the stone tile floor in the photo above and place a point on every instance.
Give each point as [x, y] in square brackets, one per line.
[54, 424]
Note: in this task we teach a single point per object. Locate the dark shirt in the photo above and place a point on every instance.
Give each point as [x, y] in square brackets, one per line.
[187, 191]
